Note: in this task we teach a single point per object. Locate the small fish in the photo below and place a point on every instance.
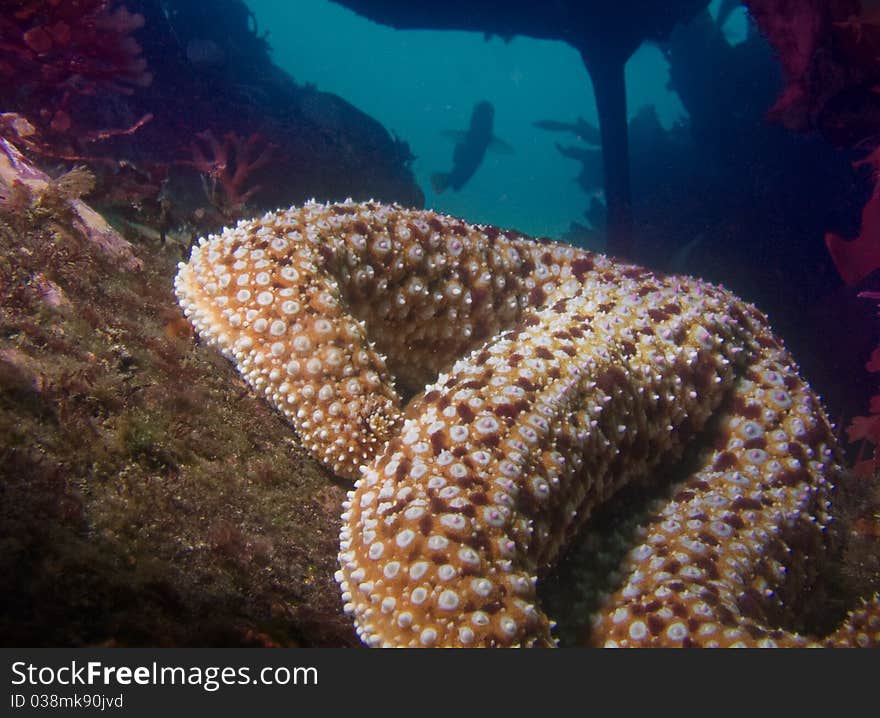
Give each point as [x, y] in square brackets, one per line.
[580, 128]
[470, 148]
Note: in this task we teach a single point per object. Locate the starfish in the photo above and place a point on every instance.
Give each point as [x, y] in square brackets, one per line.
[545, 379]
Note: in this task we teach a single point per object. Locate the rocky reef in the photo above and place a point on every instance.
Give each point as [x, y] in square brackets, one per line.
[148, 497]
[182, 115]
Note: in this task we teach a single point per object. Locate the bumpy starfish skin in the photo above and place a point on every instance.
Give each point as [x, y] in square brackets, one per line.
[290, 297]
[558, 377]
[735, 554]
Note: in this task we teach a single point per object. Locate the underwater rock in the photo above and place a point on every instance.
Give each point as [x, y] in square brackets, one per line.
[148, 499]
[15, 170]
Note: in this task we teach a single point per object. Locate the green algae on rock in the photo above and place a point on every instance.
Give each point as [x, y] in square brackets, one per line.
[148, 499]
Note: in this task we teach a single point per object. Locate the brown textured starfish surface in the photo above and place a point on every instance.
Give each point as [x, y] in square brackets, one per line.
[545, 378]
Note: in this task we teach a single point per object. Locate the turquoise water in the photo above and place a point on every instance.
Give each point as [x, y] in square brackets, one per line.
[420, 83]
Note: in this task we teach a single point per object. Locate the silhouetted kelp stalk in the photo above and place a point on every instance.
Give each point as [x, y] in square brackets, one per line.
[604, 34]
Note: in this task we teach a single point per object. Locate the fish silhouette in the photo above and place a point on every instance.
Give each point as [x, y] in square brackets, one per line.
[470, 148]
